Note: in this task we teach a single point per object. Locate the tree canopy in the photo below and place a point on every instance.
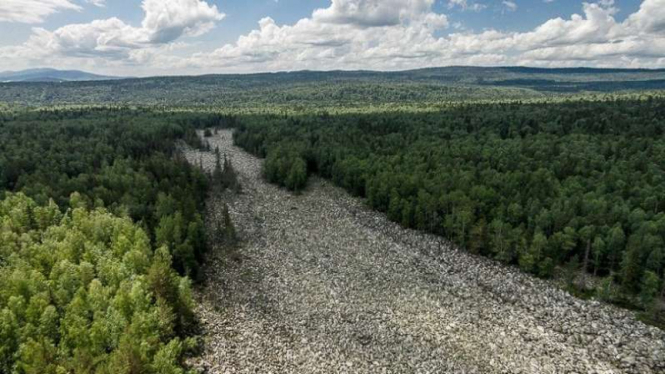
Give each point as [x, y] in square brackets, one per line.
[101, 234]
[83, 292]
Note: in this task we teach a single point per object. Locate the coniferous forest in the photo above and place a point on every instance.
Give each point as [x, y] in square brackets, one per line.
[102, 235]
[102, 219]
[575, 190]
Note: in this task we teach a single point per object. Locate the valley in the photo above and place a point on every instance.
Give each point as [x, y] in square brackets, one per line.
[332, 186]
[320, 283]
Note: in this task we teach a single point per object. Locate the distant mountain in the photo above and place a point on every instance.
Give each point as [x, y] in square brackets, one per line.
[51, 75]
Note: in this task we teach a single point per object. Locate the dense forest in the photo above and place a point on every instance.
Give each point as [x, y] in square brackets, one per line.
[102, 232]
[572, 189]
[337, 89]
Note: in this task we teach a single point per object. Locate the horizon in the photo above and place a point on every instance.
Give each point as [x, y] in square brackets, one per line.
[194, 75]
[203, 37]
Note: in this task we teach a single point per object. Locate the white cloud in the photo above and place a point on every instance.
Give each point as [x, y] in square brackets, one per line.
[167, 20]
[597, 25]
[509, 5]
[110, 38]
[350, 34]
[99, 3]
[385, 38]
[464, 5]
[32, 11]
[376, 13]
[650, 18]
[164, 22]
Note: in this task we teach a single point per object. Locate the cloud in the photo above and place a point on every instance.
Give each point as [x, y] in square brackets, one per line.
[376, 13]
[355, 34]
[110, 38]
[165, 21]
[349, 34]
[32, 11]
[99, 3]
[509, 5]
[650, 18]
[464, 5]
[597, 25]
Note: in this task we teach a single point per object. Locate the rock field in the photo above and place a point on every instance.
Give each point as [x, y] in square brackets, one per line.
[322, 284]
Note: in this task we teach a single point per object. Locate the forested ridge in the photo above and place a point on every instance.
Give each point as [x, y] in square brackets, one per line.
[101, 233]
[337, 89]
[570, 189]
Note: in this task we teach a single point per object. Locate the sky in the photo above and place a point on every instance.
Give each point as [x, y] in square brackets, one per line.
[183, 37]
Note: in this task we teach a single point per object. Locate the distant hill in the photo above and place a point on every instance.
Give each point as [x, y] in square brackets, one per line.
[50, 75]
[316, 89]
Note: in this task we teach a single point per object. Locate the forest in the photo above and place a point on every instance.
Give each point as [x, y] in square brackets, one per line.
[102, 230]
[103, 234]
[572, 190]
[312, 90]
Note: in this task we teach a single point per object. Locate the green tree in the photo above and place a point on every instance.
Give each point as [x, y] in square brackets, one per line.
[598, 248]
[531, 258]
[501, 246]
[615, 245]
[85, 294]
[649, 289]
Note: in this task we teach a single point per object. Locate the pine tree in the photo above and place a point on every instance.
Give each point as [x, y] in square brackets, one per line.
[571, 270]
[649, 289]
[218, 174]
[229, 176]
[531, 257]
[599, 249]
[229, 233]
[586, 234]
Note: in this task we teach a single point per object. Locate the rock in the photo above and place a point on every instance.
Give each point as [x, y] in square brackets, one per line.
[629, 360]
[364, 339]
[332, 286]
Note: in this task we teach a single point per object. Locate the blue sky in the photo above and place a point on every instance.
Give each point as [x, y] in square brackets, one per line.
[202, 36]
